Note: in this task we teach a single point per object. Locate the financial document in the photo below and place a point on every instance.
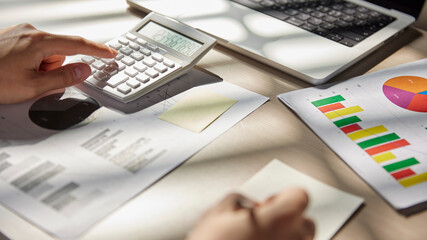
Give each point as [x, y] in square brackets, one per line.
[66, 181]
[377, 124]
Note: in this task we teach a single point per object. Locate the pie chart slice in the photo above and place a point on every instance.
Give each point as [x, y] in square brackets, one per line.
[408, 92]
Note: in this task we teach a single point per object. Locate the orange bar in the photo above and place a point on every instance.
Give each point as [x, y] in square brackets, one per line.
[331, 107]
[387, 147]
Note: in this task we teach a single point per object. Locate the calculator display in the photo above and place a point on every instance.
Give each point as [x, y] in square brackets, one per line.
[170, 38]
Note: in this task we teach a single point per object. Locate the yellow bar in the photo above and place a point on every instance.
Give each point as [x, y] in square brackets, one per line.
[384, 157]
[343, 112]
[407, 182]
[367, 132]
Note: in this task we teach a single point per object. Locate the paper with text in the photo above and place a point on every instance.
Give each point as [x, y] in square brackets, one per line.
[68, 181]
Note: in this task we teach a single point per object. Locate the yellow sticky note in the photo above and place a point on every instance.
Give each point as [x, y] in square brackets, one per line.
[198, 110]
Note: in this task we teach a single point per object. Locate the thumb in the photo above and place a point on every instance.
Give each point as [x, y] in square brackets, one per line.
[64, 76]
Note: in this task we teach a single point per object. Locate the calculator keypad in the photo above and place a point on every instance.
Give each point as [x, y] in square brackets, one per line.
[137, 65]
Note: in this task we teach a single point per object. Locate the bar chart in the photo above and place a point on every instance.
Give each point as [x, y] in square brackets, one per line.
[377, 124]
[377, 141]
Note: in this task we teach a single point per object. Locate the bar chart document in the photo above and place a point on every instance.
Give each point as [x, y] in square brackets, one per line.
[67, 182]
[377, 123]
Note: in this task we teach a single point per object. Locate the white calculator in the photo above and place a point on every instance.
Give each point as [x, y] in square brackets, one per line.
[156, 51]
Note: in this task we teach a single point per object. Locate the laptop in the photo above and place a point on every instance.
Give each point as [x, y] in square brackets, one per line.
[313, 40]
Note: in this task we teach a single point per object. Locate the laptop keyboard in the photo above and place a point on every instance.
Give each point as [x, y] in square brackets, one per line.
[338, 20]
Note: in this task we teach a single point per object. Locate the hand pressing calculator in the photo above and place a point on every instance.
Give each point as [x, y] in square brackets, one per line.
[158, 50]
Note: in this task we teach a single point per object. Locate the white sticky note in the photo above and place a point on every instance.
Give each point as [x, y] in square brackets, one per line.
[329, 207]
[198, 110]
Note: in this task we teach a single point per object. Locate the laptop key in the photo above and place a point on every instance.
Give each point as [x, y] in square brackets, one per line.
[348, 42]
[277, 14]
[352, 35]
[294, 21]
[335, 37]
[309, 27]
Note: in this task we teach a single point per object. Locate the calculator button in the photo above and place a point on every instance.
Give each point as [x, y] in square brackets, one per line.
[137, 56]
[123, 88]
[126, 50]
[140, 66]
[110, 70]
[117, 80]
[161, 68]
[128, 60]
[93, 70]
[115, 45]
[134, 46]
[143, 78]
[119, 65]
[123, 41]
[98, 65]
[145, 51]
[141, 42]
[157, 57]
[101, 76]
[152, 73]
[119, 56]
[108, 60]
[88, 59]
[93, 81]
[131, 72]
[131, 37]
[133, 83]
[111, 91]
[169, 63]
[149, 62]
[152, 47]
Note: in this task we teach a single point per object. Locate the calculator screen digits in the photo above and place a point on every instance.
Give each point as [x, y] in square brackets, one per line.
[169, 38]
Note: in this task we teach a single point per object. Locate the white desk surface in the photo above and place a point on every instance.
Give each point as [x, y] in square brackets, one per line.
[273, 131]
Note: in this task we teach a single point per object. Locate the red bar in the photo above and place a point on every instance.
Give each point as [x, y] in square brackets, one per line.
[387, 147]
[351, 128]
[331, 107]
[403, 174]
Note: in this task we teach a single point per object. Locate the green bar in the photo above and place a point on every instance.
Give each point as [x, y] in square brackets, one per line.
[347, 121]
[402, 164]
[327, 101]
[378, 140]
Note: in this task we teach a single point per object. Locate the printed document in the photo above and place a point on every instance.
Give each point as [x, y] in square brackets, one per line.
[66, 181]
[377, 123]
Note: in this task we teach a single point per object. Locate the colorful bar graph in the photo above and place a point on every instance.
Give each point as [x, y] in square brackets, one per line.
[403, 174]
[347, 121]
[351, 128]
[367, 132]
[383, 157]
[331, 107]
[343, 112]
[420, 178]
[378, 140]
[327, 101]
[378, 147]
[402, 164]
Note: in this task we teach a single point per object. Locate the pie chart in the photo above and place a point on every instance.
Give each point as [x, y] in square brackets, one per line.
[408, 92]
